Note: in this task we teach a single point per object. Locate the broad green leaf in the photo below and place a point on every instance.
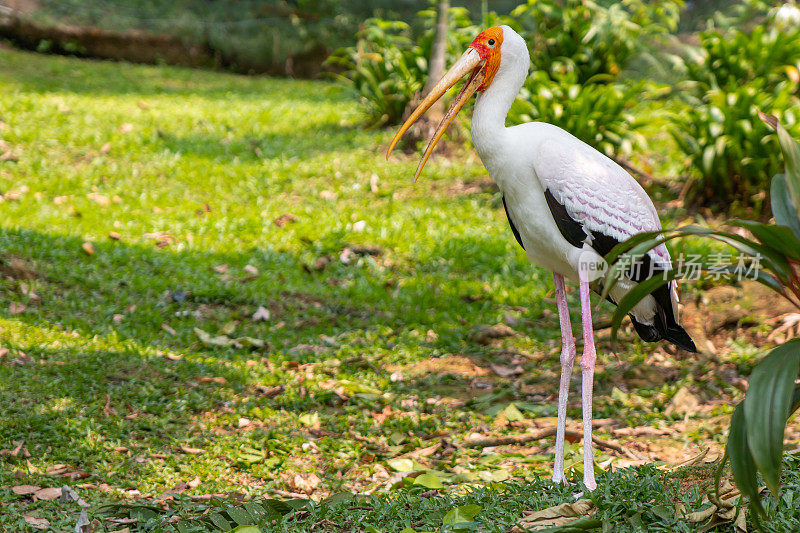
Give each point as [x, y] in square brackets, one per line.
[779, 238]
[240, 516]
[766, 408]
[337, 498]
[458, 515]
[220, 522]
[309, 419]
[404, 464]
[795, 400]
[782, 208]
[742, 464]
[429, 481]
[791, 156]
[245, 529]
[513, 414]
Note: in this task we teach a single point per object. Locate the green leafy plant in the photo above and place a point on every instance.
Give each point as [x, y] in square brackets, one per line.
[734, 57]
[733, 155]
[598, 114]
[590, 38]
[388, 67]
[755, 441]
[571, 41]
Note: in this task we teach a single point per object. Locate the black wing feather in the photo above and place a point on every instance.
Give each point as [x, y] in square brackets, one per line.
[664, 324]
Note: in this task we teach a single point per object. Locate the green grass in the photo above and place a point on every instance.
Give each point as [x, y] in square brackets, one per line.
[114, 379]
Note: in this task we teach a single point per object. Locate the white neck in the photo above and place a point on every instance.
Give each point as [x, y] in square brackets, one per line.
[492, 105]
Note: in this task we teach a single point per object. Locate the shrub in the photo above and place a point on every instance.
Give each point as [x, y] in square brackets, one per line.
[598, 114]
[736, 57]
[735, 73]
[733, 155]
[387, 67]
[590, 38]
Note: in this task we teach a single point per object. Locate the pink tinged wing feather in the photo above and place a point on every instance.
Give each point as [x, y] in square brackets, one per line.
[597, 192]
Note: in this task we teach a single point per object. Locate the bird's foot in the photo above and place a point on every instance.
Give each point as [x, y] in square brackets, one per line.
[590, 483]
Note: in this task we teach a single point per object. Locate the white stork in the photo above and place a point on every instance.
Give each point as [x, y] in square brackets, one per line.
[567, 205]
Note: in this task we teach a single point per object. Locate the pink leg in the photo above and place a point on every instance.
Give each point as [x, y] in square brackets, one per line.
[587, 366]
[567, 359]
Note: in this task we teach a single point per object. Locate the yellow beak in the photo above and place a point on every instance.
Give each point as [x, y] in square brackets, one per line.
[469, 62]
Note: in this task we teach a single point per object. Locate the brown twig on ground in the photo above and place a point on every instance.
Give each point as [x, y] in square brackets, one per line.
[485, 442]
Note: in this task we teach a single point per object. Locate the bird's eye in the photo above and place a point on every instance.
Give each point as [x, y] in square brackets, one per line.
[491, 42]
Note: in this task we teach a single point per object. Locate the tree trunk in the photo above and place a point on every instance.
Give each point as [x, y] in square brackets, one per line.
[426, 125]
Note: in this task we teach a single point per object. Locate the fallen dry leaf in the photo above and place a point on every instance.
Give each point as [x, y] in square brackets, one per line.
[725, 509]
[221, 269]
[251, 270]
[58, 469]
[16, 308]
[48, 493]
[483, 333]
[38, 523]
[99, 199]
[328, 195]
[192, 451]
[193, 484]
[114, 235]
[105, 148]
[22, 490]
[641, 431]
[88, 248]
[683, 402]
[284, 219]
[305, 482]
[558, 515]
[506, 371]
[207, 379]
[126, 128]
[262, 314]
[107, 409]
[271, 392]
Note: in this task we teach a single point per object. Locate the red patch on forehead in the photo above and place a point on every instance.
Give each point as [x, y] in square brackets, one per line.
[481, 43]
[487, 44]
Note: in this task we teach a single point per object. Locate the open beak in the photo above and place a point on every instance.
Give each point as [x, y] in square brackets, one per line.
[469, 63]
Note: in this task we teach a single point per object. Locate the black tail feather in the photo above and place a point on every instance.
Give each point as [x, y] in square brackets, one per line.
[664, 325]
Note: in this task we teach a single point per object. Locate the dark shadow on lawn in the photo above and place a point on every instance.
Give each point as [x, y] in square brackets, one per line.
[43, 74]
[305, 142]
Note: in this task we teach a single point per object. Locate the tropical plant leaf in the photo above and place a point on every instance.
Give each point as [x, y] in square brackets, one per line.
[766, 409]
[636, 295]
[791, 157]
[779, 238]
[742, 464]
[782, 208]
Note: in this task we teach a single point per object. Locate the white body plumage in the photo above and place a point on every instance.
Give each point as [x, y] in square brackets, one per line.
[525, 160]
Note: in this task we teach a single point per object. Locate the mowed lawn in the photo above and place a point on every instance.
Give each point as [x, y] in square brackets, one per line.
[216, 284]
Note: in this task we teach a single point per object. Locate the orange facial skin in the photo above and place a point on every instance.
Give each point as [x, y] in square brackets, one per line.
[487, 44]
